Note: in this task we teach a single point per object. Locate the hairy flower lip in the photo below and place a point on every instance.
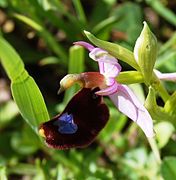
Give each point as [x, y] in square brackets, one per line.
[90, 114]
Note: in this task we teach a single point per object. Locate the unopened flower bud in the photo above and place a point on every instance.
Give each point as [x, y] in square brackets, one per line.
[145, 52]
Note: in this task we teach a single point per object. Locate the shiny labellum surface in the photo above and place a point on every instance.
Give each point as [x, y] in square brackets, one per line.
[78, 125]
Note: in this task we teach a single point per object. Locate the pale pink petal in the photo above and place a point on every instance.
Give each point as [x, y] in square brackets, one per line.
[98, 54]
[109, 70]
[109, 90]
[166, 76]
[128, 104]
[84, 44]
[101, 67]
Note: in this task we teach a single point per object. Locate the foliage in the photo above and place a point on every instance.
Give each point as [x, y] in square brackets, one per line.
[36, 52]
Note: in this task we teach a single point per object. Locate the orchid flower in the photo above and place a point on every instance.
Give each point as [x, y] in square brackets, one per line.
[121, 95]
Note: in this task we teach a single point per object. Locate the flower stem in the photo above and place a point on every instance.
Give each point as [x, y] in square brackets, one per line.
[157, 85]
[155, 149]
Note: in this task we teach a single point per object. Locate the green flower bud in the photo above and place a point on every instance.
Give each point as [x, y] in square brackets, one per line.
[145, 52]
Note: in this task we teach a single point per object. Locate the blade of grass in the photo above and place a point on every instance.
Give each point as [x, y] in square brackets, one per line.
[54, 45]
[55, 16]
[171, 42]
[63, 9]
[104, 24]
[165, 58]
[162, 11]
[80, 11]
[24, 89]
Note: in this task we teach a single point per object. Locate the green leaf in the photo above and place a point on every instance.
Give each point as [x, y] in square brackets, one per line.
[114, 49]
[168, 169]
[10, 60]
[30, 102]
[130, 13]
[162, 11]
[24, 89]
[46, 35]
[80, 11]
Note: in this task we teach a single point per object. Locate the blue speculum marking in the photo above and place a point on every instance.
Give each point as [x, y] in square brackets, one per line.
[66, 124]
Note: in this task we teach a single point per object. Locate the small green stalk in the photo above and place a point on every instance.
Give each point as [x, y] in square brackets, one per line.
[157, 85]
[155, 149]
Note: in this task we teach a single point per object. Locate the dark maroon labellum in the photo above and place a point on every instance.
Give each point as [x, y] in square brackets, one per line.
[78, 125]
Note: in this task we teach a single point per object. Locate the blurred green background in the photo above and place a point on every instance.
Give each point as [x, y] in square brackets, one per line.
[43, 32]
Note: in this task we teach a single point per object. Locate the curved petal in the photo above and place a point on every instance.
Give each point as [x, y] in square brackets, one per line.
[109, 90]
[109, 70]
[98, 54]
[84, 44]
[128, 104]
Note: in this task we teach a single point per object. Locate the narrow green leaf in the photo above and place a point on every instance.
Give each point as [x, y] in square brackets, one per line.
[105, 24]
[24, 89]
[10, 60]
[163, 11]
[170, 43]
[46, 35]
[114, 49]
[80, 11]
[166, 61]
[30, 101]
[168, 169]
